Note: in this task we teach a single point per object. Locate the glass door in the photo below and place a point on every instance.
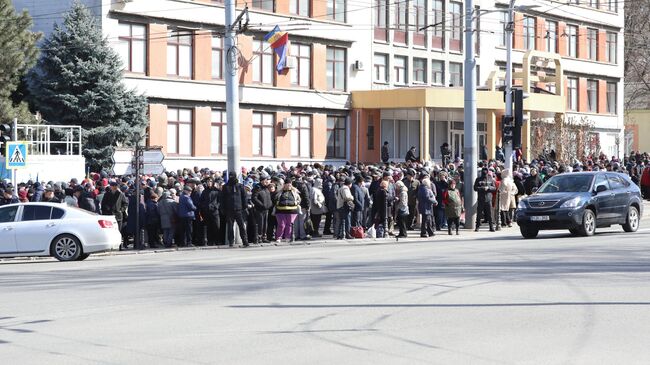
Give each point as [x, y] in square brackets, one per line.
[457, 143]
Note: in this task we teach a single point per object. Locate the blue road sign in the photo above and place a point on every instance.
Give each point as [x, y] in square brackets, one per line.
[16, 156]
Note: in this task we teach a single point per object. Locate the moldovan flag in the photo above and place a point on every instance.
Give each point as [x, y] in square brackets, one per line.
[279, 43]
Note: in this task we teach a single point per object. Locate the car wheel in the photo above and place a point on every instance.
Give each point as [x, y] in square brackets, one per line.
[528, 232]
[83, 256]
[66, 247]
[632, 221]
[588, 227]
[574, 231]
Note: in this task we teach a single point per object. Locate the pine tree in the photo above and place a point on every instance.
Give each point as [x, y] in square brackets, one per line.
[18, 53]
[78, 81]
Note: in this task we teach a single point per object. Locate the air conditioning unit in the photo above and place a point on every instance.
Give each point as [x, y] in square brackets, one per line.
[291, 62]
[358, 65]
[289, 123]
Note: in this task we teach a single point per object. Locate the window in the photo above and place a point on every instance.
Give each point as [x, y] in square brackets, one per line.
[380, 67]
[438, 72]
[551, 36]
[456, 43]
[592, 43]
[381, 19]
[610, 47]
[592, 96]
[335, 68]
[264, 134]
[455, 74]
[57, 213]
[336, 10]
[8, 214]
[419, 70]
[438, 18]
[300, 7]
[219, 133]
[401, 15]
[611, 97]
[572, 40]
[301, 137]
[572, 94]
[179, 53]
[179, 131]
[371, 133]
[615, 182]
[504, 23]
[36, 213]
[301, 75]
[419, 37]
[601, 180]
[399, 66]
[529, 32]
[336, 134]
[612, 5]
[217, 62]
[267, 5]
[593, 3]
[132, 47]
[263, 67]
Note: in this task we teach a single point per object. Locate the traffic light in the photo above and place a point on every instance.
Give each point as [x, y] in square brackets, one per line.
[5, 135]
[520, 118]
[507, 129]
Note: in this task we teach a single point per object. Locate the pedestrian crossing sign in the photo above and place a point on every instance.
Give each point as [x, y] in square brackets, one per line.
[16, 155]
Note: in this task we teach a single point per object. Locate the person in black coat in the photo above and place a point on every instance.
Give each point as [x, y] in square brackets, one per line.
[359, 202]
[329, 191]
[152, 219]
[485, 186]
[445, 153]
[410, 155]
[261, 205]
[380, 209]
[533, 181]
[209, 209]
[114, 203]
[234, 203]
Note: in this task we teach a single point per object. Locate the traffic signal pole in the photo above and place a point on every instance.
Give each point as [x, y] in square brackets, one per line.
[508, 147]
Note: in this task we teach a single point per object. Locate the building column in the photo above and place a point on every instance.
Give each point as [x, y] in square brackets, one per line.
[424, 135]
[158, 125]
[202, 131]
[492, 134]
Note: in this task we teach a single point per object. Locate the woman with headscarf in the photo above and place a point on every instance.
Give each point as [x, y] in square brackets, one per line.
[286, 210]
[380, 209]
[402, 208]
[507, 192]
[453, 206]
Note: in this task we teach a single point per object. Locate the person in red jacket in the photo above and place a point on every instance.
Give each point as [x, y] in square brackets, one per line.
[645, 183]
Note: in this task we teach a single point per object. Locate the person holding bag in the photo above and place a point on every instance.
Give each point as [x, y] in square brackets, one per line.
[286, 210]
[402, 208]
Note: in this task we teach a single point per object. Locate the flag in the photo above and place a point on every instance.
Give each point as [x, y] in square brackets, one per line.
[279, 42]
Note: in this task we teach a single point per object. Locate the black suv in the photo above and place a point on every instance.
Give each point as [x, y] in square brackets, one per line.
[580, 202]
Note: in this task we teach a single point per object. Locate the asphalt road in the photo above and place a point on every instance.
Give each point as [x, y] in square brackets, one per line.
[488, 298]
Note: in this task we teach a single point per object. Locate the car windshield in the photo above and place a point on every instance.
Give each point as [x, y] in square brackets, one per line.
[567, 183]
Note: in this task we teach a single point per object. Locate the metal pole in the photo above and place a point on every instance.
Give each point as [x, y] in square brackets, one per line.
[469, 119]
[508, 148]
[232, 89]
[137, 243]
[357, 133]
[14, 172]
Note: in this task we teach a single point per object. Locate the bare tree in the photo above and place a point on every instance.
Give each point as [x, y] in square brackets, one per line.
[570, 138]
[637, 54]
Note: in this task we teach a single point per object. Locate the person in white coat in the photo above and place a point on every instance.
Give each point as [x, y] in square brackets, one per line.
[507, 192]
[318, 207]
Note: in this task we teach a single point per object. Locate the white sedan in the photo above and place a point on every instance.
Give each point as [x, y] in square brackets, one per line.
[51, 229]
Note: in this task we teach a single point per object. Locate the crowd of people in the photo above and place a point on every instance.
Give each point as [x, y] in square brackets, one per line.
[197, 207]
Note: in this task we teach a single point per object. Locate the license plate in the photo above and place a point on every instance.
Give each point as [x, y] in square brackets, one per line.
[540, 218]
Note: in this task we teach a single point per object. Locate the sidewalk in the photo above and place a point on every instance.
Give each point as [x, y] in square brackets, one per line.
[414, 237]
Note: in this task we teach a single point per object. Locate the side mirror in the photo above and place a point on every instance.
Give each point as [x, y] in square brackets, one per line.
[534, 190]
[600, 188]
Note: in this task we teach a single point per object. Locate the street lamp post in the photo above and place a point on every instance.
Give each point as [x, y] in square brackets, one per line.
[470, 153]
[509, 148]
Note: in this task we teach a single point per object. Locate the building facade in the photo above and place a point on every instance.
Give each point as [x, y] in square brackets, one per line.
[371, 51]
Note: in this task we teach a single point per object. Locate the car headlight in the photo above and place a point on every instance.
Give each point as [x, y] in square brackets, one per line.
[571, 203]
[521, 205]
